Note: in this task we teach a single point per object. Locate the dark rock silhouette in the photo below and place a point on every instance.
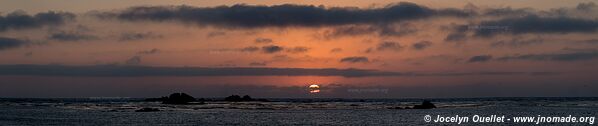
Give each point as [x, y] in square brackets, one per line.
[233, 98]
[246, 98]
[147, 110]
[178, 98]
[237, 98]
[263, 100]
[425, 105]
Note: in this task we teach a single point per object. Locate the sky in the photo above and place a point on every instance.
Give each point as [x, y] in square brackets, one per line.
[276, 49]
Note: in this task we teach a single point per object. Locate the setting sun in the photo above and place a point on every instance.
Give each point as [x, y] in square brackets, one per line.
[314, 88]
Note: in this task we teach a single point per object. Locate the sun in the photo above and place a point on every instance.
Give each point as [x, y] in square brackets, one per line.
[314, 88]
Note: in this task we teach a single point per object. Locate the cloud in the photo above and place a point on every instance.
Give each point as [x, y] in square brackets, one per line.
[271, 49]
[377, 29]
[135, 60]
[71, 36]
[298, 49]
[517, 42]
[275, 49]
[295, 59]
[20, 20]
[573, 56]
[216, 33]
[440, 58]
[401, 30]
[263, 40]
[258, 64]
[335, 50]
[114, 70]
[455, 37]
[136, 71]
[421, 45]
[537, 24]
[249, 49]
[7, 43]
[28, 54]
[480, 58]
[388, 45]
[147, 52]
[138, 36]
[586, 6]
[589, 41]
[507, 12]
[355, 59]
[352, 30]
[580, 49]
[252, 16]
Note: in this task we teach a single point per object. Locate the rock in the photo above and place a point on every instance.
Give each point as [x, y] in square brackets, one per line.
[233, 98]
[263, 100]
[425, 105]
[237, 98]
[178, 98]
[247, 98]
[147, 110]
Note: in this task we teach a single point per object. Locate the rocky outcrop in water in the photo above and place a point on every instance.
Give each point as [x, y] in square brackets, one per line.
[179, 98]
[425, 105]
[237, 98]
[174, 98]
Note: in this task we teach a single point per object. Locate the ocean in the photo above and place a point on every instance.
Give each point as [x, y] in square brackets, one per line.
[122, 111]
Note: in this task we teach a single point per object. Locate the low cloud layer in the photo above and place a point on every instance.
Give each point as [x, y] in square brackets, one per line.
[7, 43]
[251, 16]
[131, 70]
[355, 59]
[480, 58]
[421, 45]
[574, 56]
[71, 36]
[21, 20]
[139, 36]
[537, 24]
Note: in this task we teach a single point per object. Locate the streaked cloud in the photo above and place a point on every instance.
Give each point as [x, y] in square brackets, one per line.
[355, 59]
[389, 45]
[573, 56]
[21, 20]
[538, 24]
[139, 36]
[479, 58]
[71, 36]
[7, 43]
[421, 45]
[131, 70]
[252, 16]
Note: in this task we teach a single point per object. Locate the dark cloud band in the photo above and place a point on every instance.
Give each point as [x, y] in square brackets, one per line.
[137, 71]
[250, 16]
[20, 20]
[574, 56]
[7, 43]
[537, 24]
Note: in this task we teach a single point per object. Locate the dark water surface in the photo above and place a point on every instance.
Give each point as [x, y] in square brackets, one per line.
[283, 111]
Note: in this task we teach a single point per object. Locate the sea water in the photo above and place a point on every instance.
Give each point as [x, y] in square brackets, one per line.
[286, 111]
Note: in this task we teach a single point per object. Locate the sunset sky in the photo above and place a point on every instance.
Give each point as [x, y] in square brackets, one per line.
[352, 49]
